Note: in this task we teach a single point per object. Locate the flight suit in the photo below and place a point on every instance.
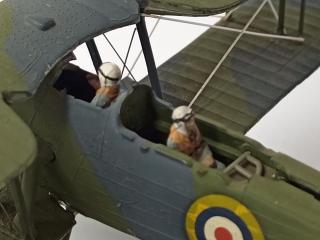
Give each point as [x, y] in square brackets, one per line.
[189, 141]
[105, 95]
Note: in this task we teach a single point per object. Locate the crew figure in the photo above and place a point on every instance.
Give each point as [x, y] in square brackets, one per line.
[185, 136]
[109, 75]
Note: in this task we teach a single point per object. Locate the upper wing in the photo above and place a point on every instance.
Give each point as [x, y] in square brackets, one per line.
[190, 7]
[258, 73]
[36, 35]
[18, 146]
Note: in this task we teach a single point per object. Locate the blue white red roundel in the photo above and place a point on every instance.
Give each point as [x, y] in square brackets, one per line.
[218, 217]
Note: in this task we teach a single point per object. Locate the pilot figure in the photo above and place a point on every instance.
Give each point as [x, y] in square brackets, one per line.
[109, 75]
[186, 137]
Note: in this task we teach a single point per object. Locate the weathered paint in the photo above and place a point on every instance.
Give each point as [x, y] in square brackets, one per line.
[42, 32]
[256, 75]
[15, 135]
[143, 183]
[108, 172]
[191, 7]
[70, 176]
[9, 75]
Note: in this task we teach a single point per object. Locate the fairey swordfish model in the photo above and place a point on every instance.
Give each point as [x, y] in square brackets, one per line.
[60, 155]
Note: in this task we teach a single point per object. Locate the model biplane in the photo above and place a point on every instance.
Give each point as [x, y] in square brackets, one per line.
[60, 155]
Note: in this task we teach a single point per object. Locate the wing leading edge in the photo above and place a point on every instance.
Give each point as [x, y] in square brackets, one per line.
[258, 73]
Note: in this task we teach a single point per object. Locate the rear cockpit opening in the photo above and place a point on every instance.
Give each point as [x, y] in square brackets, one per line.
[150, 118]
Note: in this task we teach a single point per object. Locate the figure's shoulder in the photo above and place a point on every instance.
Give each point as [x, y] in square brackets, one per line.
[173, 128]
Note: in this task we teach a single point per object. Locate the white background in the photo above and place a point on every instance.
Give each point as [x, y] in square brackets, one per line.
[292, 127]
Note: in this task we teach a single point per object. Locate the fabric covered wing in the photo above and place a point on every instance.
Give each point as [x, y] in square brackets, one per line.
[258, 73]
[36, 35]
[190, 7]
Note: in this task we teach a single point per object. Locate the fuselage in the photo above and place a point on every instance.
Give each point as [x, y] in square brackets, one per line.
[111, 165]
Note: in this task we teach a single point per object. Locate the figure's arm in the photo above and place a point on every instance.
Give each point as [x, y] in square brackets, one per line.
[101, 101]
[171, 143]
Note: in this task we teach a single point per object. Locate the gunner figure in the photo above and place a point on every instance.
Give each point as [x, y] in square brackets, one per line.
[185, 136]
[109, 75]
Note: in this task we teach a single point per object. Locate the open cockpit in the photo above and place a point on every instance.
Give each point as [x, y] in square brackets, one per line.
[149, 117]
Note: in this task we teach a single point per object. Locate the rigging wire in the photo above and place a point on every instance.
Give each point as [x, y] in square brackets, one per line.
[119, 56]
[275, 13]
[6, 214]
[257, 34]
[139, 55]
[273, 9]
[227, 53]
[228, 14]
[9, 234]
[129, 48]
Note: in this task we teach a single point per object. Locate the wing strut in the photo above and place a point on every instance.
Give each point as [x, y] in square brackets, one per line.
[302, 14]
[147, 50]
[139, 55]
[94, 53]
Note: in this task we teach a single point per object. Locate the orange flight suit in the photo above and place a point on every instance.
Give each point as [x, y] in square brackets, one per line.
[182, 142]
[105, 95]
[191, 144]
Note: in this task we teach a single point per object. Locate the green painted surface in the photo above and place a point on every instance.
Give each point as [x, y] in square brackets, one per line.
[190, 7]
[70, 175]
[283, 198]
[10, 78]
[17, 144]
[256, 75]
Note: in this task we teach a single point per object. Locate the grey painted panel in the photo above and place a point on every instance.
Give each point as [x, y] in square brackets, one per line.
[34, 51]
[142, 182]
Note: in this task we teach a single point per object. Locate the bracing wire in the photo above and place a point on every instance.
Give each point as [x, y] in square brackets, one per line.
[140, 53]
[9, 234]
[119, 57]
[227, 53]
[5, 213]
[229, 29]
[273, 9]
[129, 48]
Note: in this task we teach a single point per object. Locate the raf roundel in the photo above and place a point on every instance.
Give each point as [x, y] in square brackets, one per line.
[219, 217]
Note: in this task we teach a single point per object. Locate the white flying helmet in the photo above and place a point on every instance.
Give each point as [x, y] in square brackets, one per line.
[182, 113]
[109, 73]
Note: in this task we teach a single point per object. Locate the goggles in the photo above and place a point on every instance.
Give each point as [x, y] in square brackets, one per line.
[106, 77]
[185, 118]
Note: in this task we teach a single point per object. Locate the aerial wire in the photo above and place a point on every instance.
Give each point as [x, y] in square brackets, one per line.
[227, 53]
